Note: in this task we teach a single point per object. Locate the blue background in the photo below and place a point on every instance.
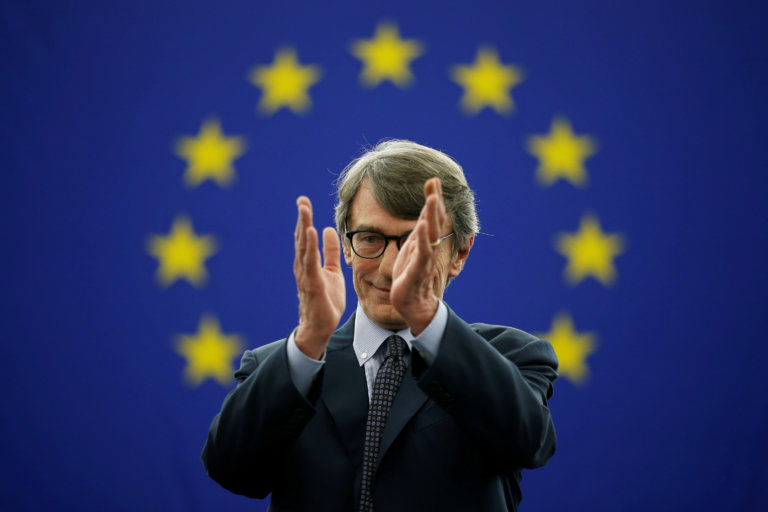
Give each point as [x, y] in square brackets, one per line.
[96, 414]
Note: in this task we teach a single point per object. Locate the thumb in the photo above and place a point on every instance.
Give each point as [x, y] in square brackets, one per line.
[331, 249]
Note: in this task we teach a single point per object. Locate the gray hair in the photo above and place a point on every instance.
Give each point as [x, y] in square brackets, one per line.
[397, 171]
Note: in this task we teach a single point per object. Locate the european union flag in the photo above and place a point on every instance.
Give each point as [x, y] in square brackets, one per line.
[153, 153]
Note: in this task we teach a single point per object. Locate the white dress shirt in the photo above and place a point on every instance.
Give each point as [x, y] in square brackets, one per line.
[368, 344]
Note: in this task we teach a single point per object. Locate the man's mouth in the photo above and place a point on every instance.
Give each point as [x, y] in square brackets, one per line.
[381, 289]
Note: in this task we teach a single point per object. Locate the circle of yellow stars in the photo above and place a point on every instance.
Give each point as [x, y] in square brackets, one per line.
[486, 83]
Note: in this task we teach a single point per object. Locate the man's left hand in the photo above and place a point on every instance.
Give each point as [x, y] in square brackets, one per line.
[415, 275]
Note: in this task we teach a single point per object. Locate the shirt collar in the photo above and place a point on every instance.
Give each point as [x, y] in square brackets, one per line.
[369, 336]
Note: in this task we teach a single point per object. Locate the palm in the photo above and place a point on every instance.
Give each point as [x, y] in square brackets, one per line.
[406, 276]
[322, 294]
[414, 272]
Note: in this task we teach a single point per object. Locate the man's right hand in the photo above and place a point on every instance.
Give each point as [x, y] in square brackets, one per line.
[322, 295]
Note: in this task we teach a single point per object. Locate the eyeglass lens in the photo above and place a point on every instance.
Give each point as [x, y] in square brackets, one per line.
[370, 245]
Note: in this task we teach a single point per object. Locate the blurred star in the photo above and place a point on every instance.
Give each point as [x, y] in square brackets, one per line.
[386, 56]
[285, 83]
[210, 155]
[487, 82]
[571, 347]
[181, 254]
[209, 352]
[561, 154]
[590, 252]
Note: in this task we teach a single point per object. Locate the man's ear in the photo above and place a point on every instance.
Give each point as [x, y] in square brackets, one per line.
[347, 250]
[458, 259]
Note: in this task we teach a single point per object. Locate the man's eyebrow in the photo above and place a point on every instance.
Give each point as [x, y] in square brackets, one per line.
[367, 227]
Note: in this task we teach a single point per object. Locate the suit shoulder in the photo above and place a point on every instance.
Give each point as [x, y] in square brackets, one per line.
[262, 352]
[254, 357]
[521, 346]
[491, 332]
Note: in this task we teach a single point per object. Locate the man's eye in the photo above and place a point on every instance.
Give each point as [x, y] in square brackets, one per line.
[370, 239]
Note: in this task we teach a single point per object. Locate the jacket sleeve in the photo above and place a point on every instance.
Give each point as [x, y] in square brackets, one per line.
[495, 382]
[258, 423]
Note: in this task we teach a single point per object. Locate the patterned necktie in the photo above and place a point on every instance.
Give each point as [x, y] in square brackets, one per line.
[388, 380]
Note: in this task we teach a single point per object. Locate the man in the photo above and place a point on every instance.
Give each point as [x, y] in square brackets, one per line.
[406, 406]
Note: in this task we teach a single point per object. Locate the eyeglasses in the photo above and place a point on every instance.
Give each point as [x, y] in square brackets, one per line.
[372, 244]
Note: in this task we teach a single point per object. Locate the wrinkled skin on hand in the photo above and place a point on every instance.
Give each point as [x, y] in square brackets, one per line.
[420, 269]
[322, 294]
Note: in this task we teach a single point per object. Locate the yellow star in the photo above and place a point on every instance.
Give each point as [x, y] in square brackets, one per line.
[590, 252]
[209, 352]
[571, 347]
[285, 83]
[561, 154]
[181, 254]
[386, 56]
[487, 83]
[210, 155]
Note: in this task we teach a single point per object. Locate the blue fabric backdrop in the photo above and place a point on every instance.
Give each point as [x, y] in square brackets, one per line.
[624, 137]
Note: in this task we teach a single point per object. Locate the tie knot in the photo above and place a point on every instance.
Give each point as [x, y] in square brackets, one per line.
[396, 346]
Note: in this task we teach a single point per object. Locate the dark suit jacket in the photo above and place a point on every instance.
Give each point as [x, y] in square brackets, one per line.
[459, 432]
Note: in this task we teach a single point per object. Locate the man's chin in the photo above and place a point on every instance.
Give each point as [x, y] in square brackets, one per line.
[386, 316]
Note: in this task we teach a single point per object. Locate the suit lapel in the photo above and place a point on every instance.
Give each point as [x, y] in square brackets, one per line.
[408, 401]
[345, 393]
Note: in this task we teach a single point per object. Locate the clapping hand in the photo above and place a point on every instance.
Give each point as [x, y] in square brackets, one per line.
[322, 294]
[421, 263]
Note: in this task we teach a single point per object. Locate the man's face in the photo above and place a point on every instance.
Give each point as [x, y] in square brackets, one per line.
[372, 278]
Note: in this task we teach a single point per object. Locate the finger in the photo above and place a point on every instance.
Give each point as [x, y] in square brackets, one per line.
[440, 202]
[331, 249]
[407, 246]
[403, 260]
[300, 243]
[438, 187]
[423, 243]
[423, 212]
[301, 201]
[311, 256]
[304, 220]
[430, 187]
[435, 214]
[420, 260]
[306, 205]
[440, 199]
[298, 220]
[403, 255]
[298, 238]
[432, 218]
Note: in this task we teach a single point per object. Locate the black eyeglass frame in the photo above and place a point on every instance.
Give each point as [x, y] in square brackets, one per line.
[398, 241]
